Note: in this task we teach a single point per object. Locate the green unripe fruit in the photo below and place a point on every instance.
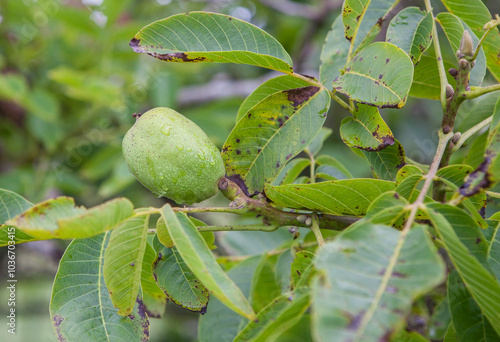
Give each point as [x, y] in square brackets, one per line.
[171, 156]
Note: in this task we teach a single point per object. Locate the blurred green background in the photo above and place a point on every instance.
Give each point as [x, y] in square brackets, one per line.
[69, 84]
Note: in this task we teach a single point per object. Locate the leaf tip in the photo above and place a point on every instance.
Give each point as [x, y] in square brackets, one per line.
[135, 45]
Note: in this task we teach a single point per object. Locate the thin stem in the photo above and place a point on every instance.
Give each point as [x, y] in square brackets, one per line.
[238, 210]
[479, 91]
[341, 102]
[227, 228]
[317, 232]
[442, 72]
[312, 168]
[470, 132]
[243, 227]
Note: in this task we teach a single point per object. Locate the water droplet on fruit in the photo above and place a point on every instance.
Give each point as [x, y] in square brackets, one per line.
[166, 129]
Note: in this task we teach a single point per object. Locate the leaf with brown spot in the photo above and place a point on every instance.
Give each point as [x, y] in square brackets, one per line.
[362, 21]
[360, 295]
[360, 80]
[386, 163]
[366, 130]
[81, 306]
[210, 37]
[177, 281]
[279, 127]
[411, 30]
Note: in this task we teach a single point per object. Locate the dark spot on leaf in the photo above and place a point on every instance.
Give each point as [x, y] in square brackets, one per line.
[478, 180]
[288, 156]
[286, 117]
[203, 310]
[478, 241]
[258, 151]
[358, 17]
[355, 321]
[280, 122]
[249, 115]
[134, 44]
[240, 182]
[310, 77]
[57, 325]
[391, 289]
[238, 152]
[278, 164]
[176, 57]
[298, 272]
[303, 141]
[132, 264]
[360, 59]
[380, 76]
[387, 60]
[396, 195]
[144, 318]
[398, 274]
[482, 212]
[237, 140]
[300, 95]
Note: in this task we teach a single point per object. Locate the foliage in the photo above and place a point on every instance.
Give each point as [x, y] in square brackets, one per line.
[365, 253]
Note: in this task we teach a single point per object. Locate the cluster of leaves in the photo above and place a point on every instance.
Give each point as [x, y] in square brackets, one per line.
[364, 282]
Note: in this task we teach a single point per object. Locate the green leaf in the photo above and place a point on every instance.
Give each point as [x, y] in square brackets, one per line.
[300, 332]
[476, 14]
[474, 111]
[426, 83]
[453, 176]
[379, 75]
[468, 320]
[211, 37]
[13, 87]
[440, 320]
[405, 336]
[302, 269]
[291, 171]
[343, 197]
[389, 208]
[451, 335]
[265, 287]
[363, 21]
[123, 262]
[59, 218]
[197, 256]
[411, 30]
[334, 54]
[11, 205]
[317, 144]
[366, 130]
[220, 323]
[153, 298]
[273, 132]
[162, 233]
[494, 250]
[96, 220]
[177, 281]
[81, 308]
[386, 163]
[454, 28]
[483, 286]
[326, 160]
[276, 318]
[372, 274]
[270, 87]
[254, 242]
[466, 229]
